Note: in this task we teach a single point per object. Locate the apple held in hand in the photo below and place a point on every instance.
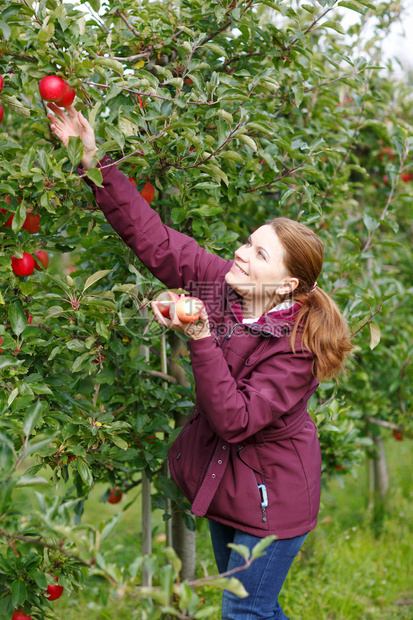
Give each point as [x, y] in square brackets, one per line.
[148, 192]
[115, 495]
[54, 591]
[42, 258]
[187, 309]
[165, 300]
[23, 266]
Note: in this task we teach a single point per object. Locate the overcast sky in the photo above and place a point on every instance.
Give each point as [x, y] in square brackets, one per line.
[397, 45]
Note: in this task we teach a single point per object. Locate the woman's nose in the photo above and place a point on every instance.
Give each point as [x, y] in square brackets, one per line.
[240, 253]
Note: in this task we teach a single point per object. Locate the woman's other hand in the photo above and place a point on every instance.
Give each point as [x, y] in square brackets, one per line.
[194, 331]
[70, 122]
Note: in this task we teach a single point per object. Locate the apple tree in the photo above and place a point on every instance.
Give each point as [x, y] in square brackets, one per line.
[225, 113]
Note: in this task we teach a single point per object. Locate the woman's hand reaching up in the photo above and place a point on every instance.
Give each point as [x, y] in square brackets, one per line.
[70, 122]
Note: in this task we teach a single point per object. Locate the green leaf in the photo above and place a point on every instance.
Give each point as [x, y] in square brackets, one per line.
[17, 318]
[248, 141]
[258, 549]
[375, 334]
[173, 559]
[232, 585]
[110, 64]
[353, 6]
[75, 150]
[226, 116]
[334, 26]
[84, 472]
[54, 311]
[217, 49]
[98, 275]
[95, 175]
[110, 526]
[243, 550]
[121, 443]
[18, 592]
[32, 417]
[231, 155]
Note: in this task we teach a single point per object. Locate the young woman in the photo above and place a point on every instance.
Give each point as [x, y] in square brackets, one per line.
[248, 458]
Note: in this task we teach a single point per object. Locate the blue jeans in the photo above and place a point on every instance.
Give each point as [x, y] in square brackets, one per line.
[263, 580]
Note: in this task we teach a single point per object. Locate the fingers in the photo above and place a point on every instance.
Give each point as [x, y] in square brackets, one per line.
[57, 111]
[159, 317]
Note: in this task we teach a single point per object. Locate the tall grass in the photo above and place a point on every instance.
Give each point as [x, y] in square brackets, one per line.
[345, 571]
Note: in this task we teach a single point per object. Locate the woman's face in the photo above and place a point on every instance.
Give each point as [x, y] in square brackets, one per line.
[258, 273]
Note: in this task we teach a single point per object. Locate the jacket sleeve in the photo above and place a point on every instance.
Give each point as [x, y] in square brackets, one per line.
[238, 410]
[174, 258]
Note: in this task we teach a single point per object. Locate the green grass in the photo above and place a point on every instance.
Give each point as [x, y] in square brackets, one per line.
[344, 571]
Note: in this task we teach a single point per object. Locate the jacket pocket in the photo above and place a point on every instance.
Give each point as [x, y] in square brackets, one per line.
[260, 486]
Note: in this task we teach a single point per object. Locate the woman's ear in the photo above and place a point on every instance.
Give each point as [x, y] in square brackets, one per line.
[288, 286]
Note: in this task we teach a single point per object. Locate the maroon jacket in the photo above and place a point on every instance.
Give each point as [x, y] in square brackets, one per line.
[249, 455]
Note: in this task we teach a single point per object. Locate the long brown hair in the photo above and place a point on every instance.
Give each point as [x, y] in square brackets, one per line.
[325, 332]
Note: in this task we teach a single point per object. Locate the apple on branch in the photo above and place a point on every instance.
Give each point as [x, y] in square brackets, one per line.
[23, 266]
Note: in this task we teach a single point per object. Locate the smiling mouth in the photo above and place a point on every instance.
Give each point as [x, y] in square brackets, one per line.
[238, 268]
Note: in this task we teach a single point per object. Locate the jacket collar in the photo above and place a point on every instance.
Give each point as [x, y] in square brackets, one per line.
[270, 323]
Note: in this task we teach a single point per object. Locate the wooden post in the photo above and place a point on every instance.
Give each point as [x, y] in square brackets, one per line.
[166, 472]
[183, 539]
[146, 496]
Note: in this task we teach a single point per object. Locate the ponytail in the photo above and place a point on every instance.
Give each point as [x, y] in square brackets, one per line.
[323, 331]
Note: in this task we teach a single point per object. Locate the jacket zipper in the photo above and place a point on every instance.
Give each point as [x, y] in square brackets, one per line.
[262, 492]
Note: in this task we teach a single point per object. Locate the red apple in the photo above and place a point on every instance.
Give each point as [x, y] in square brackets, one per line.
[43, 259]
[1, 342]
[51, 88]
[1, 113]
[387, 150]
[68, 96]
[19, 615]
[148, 192]
[31, 223]
[9, 221]
[385, 179]
[187, 309]
[1, 83]
[132, 181]
[165, 300]
[406, 176]
[398, 435]
[54, 591]
[23, 266]
[115, 496]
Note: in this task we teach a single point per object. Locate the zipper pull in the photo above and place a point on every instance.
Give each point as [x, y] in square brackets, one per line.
[264, 500]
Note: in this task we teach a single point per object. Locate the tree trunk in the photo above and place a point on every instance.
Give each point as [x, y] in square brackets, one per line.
[183, 539]
[381, 474]
[378, 485]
